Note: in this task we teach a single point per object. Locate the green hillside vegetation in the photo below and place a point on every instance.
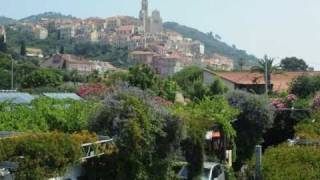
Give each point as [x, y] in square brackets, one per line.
[48, 15]
[212, 43]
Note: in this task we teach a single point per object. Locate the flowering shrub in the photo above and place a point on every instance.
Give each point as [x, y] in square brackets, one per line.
[95, 90]
[291, 97]
[316, 103]
[286, 102]
[277, 103]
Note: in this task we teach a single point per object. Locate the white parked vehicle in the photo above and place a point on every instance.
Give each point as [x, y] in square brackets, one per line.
[211, 171]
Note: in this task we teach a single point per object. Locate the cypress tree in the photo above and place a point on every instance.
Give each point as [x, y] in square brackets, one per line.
[23, 50]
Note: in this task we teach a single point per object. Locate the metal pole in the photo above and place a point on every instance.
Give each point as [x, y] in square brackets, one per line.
[11, 73]
[266, 75]
[258, 175]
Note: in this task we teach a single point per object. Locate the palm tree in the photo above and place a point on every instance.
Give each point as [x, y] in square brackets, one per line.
[266, 67]
[241, 63]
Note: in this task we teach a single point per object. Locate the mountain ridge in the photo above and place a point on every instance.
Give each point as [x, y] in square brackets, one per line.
[6, 20]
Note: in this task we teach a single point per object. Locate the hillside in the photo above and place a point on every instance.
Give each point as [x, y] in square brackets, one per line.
[5, 20]
[48, 15]
[212, 44]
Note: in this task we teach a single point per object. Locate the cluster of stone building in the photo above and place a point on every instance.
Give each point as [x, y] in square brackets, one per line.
[70, 62]
[167, 51]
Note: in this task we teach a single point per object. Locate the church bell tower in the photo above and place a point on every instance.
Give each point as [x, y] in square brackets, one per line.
[143, 16]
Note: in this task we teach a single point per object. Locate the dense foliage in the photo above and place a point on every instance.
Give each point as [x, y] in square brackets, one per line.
[217, 88]
[293, 64]
[190, 80]
[42, 78]
[42, 156]
[295, 163]
[305, 86]
[255, 118]
[44, 115]
[145, 133]
[20, 70]
[145, 78]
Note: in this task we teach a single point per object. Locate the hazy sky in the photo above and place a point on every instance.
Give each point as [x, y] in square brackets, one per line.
[278, 28]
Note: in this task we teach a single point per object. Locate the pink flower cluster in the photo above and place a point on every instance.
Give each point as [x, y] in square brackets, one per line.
[96, 89]
[316, 103]
[285, 102]
[291, 98]
[277, 103]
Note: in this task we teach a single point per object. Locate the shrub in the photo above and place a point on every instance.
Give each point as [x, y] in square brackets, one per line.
[145, 133]
[309, 128]
[42, 156]
[294, 163]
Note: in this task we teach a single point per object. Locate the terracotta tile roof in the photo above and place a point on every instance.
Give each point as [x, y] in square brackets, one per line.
[126, 28]
[280, 81]
[142, 53]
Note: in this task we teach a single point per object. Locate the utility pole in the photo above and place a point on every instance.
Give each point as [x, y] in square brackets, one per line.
[266, 76]
[258, 174]
[11, 72]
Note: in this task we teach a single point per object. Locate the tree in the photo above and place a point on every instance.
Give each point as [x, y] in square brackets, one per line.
[241, 63]
[145, 133]
[255, 118]
[217, 88]
[305, 86]
[293, 64]
[266, 64]
[190, 79]
[42, 78]
[23, 50]
[5, 79]
[142, 76]
[168, 89]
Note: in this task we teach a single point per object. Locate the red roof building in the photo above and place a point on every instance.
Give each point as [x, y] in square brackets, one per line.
[255, 82]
